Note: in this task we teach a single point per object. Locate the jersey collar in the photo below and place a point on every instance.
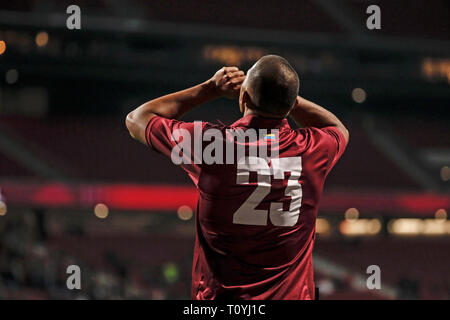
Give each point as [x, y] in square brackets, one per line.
[254, 121]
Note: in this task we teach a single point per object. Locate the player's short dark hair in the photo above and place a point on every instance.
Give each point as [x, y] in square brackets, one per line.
[273, 84]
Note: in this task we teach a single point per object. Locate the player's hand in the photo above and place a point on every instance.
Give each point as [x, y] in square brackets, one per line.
[228, 81]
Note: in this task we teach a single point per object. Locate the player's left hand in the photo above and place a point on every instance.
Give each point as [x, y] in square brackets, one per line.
[228, 81]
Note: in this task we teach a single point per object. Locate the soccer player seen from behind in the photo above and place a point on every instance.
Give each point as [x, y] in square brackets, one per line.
[259, 180]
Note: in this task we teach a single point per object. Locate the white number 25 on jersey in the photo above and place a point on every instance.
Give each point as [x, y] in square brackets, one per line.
[247, 214]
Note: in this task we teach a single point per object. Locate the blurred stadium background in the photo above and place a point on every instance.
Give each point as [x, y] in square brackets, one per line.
[75, 189]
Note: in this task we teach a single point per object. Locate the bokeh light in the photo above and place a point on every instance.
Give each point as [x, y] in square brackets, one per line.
[12, 76]
[3, 208]
[359, 95]
[170, 272]
[322, 226]
[445, 173]
[2, 47]
[441, 214]
[41, 39]
[185, 212]
[351, 214]
[101, 211]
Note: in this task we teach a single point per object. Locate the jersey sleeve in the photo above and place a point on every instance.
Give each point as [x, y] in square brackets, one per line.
[332, 141]
[176, 140]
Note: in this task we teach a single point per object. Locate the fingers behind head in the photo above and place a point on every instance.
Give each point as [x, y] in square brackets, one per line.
[230, 69]
[238, 79]
[237, 73]
[234, 77]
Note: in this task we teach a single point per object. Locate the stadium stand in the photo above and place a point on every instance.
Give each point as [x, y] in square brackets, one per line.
[238, 14]
[400, 20]
[88, 147]
[395, 256]
[12, 169]
[424, 134]
[113, 70]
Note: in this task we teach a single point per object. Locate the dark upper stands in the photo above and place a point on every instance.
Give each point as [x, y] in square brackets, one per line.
[399, 18]
[405, 18]
[304, 16]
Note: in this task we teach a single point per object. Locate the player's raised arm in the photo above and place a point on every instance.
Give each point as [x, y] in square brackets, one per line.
[225, 82]
[309, 114]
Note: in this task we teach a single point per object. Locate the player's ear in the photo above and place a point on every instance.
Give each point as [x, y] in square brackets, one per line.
[245, 101]
[242, 100]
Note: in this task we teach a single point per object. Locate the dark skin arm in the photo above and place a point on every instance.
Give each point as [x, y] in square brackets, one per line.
[225, 82]
[308, 114]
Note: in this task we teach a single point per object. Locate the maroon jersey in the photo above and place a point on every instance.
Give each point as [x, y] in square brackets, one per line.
[255, 221]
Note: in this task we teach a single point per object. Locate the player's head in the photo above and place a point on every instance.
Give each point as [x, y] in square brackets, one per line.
[270, 87]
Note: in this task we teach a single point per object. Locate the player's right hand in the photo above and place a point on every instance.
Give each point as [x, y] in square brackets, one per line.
[228, 81]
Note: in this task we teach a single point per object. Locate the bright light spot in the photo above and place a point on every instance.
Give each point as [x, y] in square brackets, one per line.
[170, 272]
[361, 227]
[359, 95]
[351, 214]
[374, 226]
[326, 286]
[41, 39]
[434, 227]
[2, 47]
[12, 76]
[405, 226]
[101, 211]
[445, 173]
[3, 208]
[416, 227]
[184, 212]
[232, 55]
[441, 214]
[322, 226]
[436, 69]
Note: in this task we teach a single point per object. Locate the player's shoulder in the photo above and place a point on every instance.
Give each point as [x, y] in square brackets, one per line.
[177, 123]
[319, 133]
[312, 136]
[299, 133]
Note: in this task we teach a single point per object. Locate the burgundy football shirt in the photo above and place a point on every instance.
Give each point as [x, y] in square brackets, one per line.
[255, 221]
